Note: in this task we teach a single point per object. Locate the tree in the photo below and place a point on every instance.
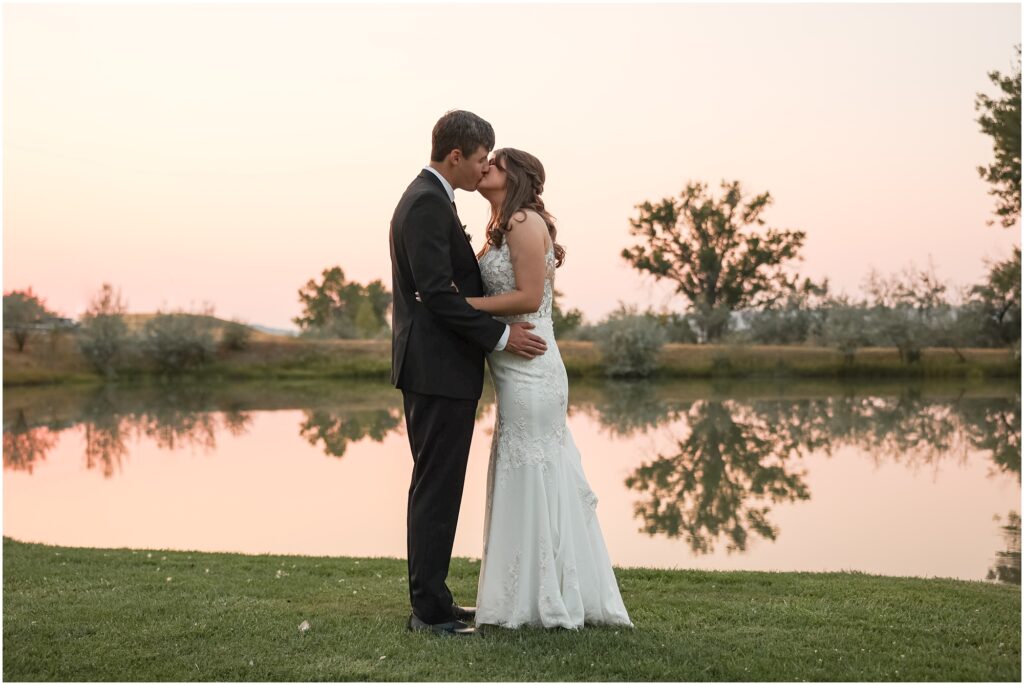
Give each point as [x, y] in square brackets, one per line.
[962, 327]
[1000, 119]
[340, 309]
[104, 333]
[908, 311]
[22, 309]
[702, 245]
[564, 322]
[999, 300]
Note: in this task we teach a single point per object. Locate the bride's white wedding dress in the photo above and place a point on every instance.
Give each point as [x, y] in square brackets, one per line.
[544, 560]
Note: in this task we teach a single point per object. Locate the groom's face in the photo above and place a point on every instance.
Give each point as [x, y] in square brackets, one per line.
[471, 169]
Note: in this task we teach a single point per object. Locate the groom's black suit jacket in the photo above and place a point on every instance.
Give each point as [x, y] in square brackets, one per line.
[437, 344]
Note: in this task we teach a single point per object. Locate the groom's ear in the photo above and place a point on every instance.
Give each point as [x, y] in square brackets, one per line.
[455, 156]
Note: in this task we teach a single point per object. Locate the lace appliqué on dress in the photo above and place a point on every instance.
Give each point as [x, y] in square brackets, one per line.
[499, 277]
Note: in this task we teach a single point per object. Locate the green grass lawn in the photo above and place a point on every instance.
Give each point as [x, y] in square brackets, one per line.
[118, 614]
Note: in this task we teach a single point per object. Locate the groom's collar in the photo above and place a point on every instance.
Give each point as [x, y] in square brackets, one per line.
[444, 182]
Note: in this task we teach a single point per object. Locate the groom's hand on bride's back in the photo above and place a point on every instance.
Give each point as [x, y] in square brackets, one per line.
[524, 343]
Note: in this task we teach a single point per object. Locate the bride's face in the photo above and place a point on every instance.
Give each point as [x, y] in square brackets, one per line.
[494, 179]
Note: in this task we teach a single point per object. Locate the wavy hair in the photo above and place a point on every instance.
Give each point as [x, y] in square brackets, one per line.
[524, 185]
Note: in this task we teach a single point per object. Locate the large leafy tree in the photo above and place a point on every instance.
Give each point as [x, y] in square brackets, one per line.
[1000, 119]
[343, 309]
[707, 247]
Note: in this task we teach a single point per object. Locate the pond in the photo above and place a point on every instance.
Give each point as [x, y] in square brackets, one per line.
[894, 479]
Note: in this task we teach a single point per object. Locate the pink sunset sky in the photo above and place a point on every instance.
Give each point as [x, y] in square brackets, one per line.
[229, 153]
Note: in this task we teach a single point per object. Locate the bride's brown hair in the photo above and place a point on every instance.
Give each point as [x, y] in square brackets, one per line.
[524, 185]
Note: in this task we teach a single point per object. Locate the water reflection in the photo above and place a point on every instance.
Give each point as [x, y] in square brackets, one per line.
[24, 444]
[739, 457]
[754, 436]
[183, 417]
[628, 408]
[736, 451]
[718, 484]
[995, 428]
[337, 428]
[1007, 566]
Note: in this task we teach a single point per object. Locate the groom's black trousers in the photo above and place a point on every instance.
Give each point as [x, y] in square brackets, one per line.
[440, 431]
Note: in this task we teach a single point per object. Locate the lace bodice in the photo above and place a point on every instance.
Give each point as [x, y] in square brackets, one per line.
[499, 277]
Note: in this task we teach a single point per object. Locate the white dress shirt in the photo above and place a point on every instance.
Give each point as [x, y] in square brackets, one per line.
[451, 198]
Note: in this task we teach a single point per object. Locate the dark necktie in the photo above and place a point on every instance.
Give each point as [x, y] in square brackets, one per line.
[454, 208]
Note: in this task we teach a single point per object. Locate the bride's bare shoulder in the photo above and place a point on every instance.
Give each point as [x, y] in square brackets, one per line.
[526, 224]
[525, 216]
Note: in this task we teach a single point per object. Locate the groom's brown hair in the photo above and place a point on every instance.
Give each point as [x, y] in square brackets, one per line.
[460, 129]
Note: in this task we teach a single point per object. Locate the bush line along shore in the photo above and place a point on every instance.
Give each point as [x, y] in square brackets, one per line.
[286, 358]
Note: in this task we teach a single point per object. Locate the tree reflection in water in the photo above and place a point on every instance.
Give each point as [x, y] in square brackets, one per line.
[627, 408]
[25, 445]
[337, 428]
[105, 446]
[172, 417]
[727, 469]
[740, 457]
[1007, 567]
[186, 416]
[995, 427]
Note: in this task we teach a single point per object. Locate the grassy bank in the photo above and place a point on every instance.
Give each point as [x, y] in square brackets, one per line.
[272, 357]
[95, 614]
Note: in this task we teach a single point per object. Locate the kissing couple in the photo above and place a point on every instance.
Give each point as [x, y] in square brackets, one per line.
[544, 560]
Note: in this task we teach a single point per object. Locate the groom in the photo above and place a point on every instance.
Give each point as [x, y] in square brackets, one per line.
[438, 343]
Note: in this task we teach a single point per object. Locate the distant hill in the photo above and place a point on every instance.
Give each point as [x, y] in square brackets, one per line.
[135, 322]
[275, 331]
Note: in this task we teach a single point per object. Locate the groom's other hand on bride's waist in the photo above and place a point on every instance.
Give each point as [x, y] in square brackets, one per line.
[524, 343]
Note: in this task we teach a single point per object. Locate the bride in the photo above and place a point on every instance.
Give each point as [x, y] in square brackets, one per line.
[544, 560]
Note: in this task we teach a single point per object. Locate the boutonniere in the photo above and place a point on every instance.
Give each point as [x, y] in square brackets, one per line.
[468, 236]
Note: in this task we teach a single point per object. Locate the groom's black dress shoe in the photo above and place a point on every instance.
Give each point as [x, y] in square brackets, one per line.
[453, 628]
[466, 614]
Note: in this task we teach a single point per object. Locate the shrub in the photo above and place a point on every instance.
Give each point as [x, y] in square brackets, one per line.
[178, 341]
[679, 328]
[630, 342]
[235, 336]
[845, 327]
